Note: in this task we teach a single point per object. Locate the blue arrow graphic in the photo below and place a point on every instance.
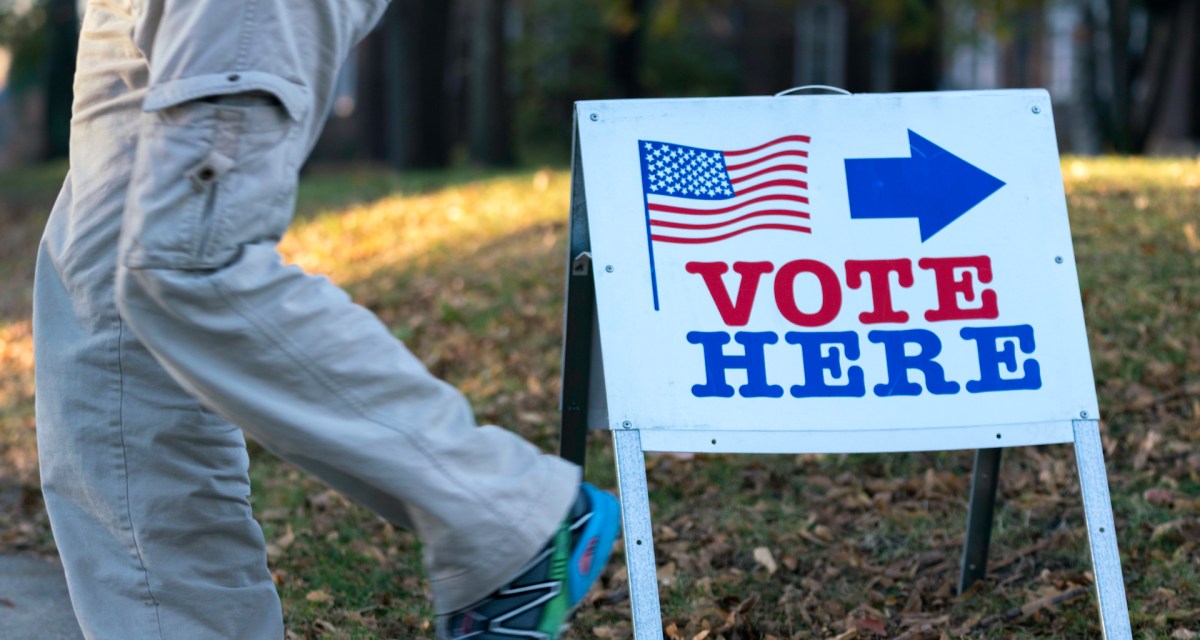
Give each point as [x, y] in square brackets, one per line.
[934, 186]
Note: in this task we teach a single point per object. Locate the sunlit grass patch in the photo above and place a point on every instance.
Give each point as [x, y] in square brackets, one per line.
[17, 439]
[1115, 172]
[414, 230]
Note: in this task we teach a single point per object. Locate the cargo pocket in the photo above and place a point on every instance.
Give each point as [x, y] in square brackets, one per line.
[209, 177]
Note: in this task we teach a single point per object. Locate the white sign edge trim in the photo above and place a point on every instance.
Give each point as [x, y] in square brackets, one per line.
[859, 441]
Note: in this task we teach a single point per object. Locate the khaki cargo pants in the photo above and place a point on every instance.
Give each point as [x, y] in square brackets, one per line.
[164, 317]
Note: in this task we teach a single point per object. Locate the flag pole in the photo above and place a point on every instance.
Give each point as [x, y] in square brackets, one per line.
[650, 245]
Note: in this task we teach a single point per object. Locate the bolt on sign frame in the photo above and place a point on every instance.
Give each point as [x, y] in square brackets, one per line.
[828, 274]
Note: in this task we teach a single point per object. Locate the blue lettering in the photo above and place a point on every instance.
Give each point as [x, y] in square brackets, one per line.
[716, 362]
[817, 363]
[987, 339]
[898, 363]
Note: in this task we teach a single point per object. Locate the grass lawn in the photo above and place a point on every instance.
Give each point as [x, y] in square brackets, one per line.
[467, 268]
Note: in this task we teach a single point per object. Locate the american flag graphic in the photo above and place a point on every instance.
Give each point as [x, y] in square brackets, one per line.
[698, 196]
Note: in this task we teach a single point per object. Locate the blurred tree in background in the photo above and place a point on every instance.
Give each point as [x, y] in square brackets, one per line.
[41, 37]
[403, 88]
[491, 82]
[489, 128]
[22, 34]
[1143, 50]
[1123, 72]
[573, 50]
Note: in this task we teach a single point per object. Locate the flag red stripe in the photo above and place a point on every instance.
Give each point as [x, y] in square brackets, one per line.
[804, 139]
[799, 184]
[779, 227]
[666, 208]
[777, 154]
[783, 167]
[717, 225]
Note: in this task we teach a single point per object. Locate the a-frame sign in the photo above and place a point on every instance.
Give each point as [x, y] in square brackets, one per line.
[828, 274]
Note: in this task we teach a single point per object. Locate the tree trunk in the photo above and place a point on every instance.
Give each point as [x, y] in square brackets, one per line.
[767, 37]
[1122, 76]
[63, 35]
[369, 114]
[489, 138]
[918, 65]
[415, 37]
[1165, 29]
[1194, 88]
[1128, 117]
[626, 60]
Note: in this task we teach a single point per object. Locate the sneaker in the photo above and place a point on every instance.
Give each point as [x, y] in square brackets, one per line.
[538, 603]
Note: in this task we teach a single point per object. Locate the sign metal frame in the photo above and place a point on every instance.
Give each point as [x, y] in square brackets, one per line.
[583, 408]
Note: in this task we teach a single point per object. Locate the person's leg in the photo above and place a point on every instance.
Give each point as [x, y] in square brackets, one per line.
[147, 491]
[287, 356]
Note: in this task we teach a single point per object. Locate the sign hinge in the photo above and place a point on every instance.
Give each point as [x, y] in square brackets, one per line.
[582, 264]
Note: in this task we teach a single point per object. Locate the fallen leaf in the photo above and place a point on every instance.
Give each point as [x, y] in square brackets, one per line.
[763, 557]
[869, 624]
[1157, 496]
[318, 595]
[604, 632]
[1193, 242]
[277, 513]
[666, 574]
[1177, 530]
[284, 541]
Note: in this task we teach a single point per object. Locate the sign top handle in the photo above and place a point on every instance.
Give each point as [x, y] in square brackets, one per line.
[818, 87]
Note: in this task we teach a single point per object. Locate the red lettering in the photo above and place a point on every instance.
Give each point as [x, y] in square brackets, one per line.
[785, 293]
[948, 288]
[734, 314]
[881, 287]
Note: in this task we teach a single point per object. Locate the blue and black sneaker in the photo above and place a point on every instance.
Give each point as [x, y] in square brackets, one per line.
[539, 602]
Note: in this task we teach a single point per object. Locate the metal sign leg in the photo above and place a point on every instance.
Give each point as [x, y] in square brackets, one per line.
[639, 541]
[1102, 531]
[980, 515]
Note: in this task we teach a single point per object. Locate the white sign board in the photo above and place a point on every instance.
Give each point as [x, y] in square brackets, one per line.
[868, 273]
